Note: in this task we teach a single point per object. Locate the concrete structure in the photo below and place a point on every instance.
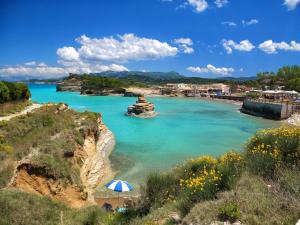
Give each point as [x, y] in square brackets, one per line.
[270, 110]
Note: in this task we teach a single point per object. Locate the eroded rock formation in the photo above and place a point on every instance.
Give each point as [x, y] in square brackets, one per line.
[142, 108]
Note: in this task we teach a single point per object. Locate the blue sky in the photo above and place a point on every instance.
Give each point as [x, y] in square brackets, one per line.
[205, 38]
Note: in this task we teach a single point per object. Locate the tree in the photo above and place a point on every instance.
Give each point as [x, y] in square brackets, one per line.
[293, 84]
[4, 93]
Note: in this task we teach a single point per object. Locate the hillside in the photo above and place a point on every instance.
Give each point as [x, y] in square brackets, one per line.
[55, 152]
[151, 75]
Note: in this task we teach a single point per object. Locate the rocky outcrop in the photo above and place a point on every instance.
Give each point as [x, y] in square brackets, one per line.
[96, 167]
[91, 159]
[70, 85]
[35, 179]
[85, 90]
[142, 108]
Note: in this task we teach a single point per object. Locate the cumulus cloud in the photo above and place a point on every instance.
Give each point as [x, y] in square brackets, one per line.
[271, 47]
[229, 23]
[34, 63]
[68, 54]
[250, 22]
[185, 45]
[101, 54]
[116, 49]
[44, 71]
[198, 5]
[52, 71]
[230, 45]
[211, 69]
[291, 4]
[221, 3]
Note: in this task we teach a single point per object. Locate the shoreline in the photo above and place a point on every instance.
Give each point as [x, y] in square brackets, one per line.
[293, 120]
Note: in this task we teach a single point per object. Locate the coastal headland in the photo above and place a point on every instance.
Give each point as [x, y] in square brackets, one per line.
[53, 151]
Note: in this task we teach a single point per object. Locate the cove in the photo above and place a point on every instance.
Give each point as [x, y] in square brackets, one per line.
[184, 128]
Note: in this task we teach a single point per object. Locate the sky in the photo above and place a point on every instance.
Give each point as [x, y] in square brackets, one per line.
[203, 38]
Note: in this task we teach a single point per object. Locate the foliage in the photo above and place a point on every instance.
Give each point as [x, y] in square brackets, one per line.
[30, 209]
[256, 202]
[229, 212]
[53, 135]
[252, 95]
[13, 107]
[270, 149]
[4, 93]
[17, 91]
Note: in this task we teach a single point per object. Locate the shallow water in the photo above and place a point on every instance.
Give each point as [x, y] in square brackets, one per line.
[183, 129]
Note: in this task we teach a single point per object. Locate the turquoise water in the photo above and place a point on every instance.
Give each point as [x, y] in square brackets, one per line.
[183, 129]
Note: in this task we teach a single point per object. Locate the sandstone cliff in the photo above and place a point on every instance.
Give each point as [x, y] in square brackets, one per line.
[71, 171]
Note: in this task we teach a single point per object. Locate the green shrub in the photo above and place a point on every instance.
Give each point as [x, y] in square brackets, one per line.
[4, 93]
[229, 212]
[17, 91]
[270, 149]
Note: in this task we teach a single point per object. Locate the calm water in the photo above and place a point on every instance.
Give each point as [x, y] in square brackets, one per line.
[184, 128]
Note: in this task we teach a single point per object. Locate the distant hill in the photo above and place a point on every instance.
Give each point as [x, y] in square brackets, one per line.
[237, 78]
[152, 75]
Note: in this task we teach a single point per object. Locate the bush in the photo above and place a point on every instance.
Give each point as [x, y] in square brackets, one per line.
[4, 93]
[229, 212]
[270, 149]
[231, 166]
[17, 91]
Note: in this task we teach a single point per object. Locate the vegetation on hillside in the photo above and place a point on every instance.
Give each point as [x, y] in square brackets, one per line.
[13, 97]
[10, 91]
[230, 187]
[53, 134]
[23, 208]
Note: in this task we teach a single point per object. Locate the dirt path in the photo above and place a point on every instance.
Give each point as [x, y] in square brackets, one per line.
[24, 112]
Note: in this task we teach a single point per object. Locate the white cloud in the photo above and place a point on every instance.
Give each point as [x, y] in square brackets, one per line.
[250, 22]
[185, 44]
[68, 54]
[291, 4]
[271, 47]
[33, 71]
[100, 54]
[211, 69]
[198, 5]
[34, 63]
[121, 49]
[31, 63]
[229, 23]
[221, 3]
[48, 71]
[230, 45]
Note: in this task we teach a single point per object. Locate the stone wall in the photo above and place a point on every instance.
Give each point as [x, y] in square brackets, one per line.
[276, 111]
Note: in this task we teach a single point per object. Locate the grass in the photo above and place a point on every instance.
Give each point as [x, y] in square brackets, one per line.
[22, 208]
[271, 158]
[51, 135]
[13, 107]
[257, 204]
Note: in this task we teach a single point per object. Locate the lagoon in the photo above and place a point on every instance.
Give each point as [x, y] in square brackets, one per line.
[184, 128]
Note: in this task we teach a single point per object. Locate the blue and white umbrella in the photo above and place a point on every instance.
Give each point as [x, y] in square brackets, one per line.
[119, 186]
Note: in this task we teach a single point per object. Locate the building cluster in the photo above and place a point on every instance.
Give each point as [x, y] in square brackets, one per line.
[277, 94]
[196, 90]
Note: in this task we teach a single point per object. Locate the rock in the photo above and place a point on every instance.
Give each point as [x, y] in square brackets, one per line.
[142, 108]
[175, 217]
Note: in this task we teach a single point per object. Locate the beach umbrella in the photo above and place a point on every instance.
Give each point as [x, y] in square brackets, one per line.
[119, 186]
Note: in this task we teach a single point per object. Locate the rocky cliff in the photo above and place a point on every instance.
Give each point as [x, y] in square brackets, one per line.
[63, 166]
